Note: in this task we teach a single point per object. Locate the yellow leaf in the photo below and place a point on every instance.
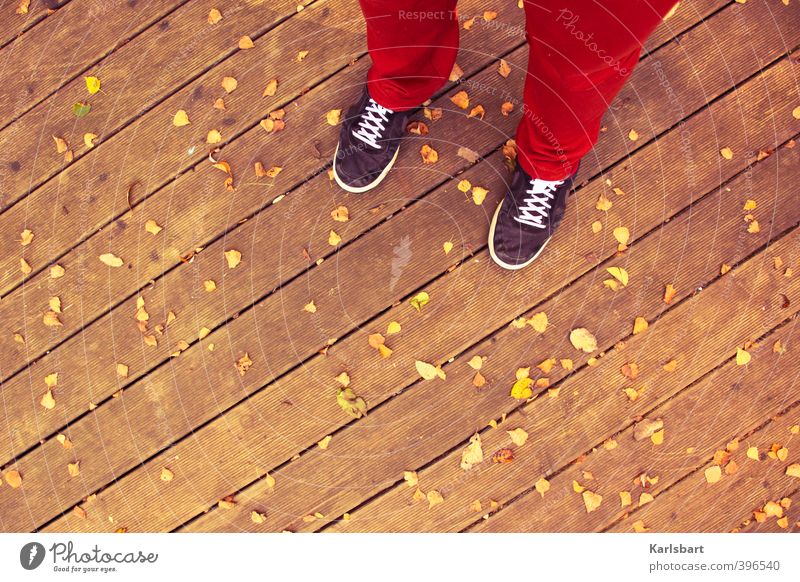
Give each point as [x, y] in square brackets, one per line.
[13, 478]
[597, 226]
[464, 186]
[152, 227]
[92, 84]
[622, 234]
[624, 498]
[657, 437]
[522, 389]
[393, 328]
[434, 498]
[473, 453]
[479, 195]
[411, 478]
[50, 319]
[246, 43]
[603, 203]
[333, 238]
[591, 500]
[640, 325]
[56, 272]
[47, 400]
[61, 145]
[111, 260]
[209, 285]
[619, 274]
[460, 99]
[340, 214]
[793, 470]
[74, 469]
[713, 474]
[419, 300]
[538, 321]
[323, 444]
[55, 304]
[257, 517]
[181, 118]
[310, 307]
[88, 139]
[518, 436]
[429, 155]
[426, 370]
[448, 246]
[582, 339]
[726, 153]
[229, 84]
[632, 135]
[214, 16]
[333, 116]
[542, 486]
[742, 357]
[669, 293]
[213, 136]
[233, 257]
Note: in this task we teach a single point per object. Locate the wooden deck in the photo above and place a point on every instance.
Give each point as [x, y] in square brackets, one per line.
[153, 424]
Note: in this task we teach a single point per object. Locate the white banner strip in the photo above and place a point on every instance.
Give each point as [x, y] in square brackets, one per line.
[406, 557]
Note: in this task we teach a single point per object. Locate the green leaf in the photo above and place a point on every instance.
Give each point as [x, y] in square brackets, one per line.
[81, 108]
[350, 403]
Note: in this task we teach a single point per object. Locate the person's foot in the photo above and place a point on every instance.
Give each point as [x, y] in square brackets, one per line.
[526, 219]
[368, 145]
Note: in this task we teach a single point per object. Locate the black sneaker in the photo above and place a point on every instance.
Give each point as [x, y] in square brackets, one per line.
[526, 219]
[368, 145]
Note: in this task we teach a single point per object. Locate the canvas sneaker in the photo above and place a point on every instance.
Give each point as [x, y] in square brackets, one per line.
[526, 219]
[368, 144]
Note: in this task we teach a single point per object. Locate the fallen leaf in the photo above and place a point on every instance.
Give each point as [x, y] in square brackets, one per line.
[542, 486]
[793, 470]
[333, 238]
[713, 474]
[420, 300]
[603, 203]
[214, 16]
[233, 258]
[429, 155]
[632, 135]
[88, 139]
[333, 116]
[152, 227]
[92, 84]
[48, 401]
[521, 389]
[518, 436]
[726, 153]
[460, 99]
[503, 456]
[340, 214]
[213, 136]
[646, 427]
[640, 325]
[323, 444]
[180, 119]
[310, 307]
[591, 500]
[393, 328]
[669, 293]
[56, 272]
[243, 364]
[74, 469]
[246, 43]
[411, 478]
[350, 403]
[582, 339]
[428, 371]
[13, 478]
[473, 453]
[50, 319]
[229, 84]
[447, 247]
[742, 357]
[479, 195]
[81, 109]
[434, 498]
[504, 69]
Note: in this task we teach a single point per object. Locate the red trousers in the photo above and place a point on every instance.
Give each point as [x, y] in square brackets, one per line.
[581, 53]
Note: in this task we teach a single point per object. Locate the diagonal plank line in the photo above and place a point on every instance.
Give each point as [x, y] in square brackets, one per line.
[32, 21]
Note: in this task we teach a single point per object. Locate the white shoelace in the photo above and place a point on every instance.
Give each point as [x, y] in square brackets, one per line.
[372, 123]
[536, 206]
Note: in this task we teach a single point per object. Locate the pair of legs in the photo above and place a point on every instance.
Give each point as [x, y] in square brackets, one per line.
[581, 54]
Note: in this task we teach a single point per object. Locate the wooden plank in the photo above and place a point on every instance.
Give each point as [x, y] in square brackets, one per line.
[697, 506]
[277, 407]
[151, 254]
[16, 24]
[360, 463]
[134, 78]
[77, 36]
[720, 409]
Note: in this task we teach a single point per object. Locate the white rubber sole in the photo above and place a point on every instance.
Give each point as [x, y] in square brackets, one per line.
[370, 186]
[499, 261]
